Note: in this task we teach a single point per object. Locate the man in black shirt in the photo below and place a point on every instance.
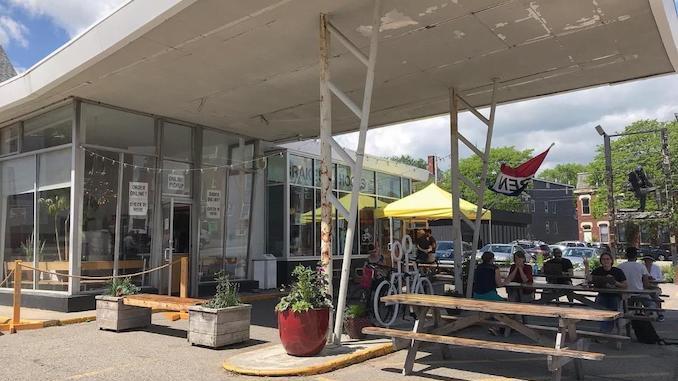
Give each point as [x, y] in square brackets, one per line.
[558, 270]
[607, 276]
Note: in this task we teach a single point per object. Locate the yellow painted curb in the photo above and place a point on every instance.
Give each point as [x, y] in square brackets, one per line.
[342, 362]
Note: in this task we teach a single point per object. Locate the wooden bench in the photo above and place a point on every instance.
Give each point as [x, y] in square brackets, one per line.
[568, 347]
[161, 302]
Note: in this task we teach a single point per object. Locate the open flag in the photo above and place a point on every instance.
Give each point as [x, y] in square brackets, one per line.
[513, 181]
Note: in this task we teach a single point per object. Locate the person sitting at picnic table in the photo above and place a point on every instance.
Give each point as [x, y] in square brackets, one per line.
[559, 270]
[487, 278]
[637, 276]
[655, 275]
[520, 272]
[606, 276]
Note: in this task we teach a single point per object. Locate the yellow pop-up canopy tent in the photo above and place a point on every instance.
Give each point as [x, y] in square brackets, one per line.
[430, 203]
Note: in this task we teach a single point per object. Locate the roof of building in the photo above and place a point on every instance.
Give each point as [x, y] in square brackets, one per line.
[6, 69]
[553, 182]
[252, 67]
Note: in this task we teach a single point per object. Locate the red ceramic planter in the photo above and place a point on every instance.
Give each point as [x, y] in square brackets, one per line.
[303, 334]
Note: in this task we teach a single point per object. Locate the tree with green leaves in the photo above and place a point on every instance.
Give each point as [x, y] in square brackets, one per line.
[409, 160]
[472, 167]
[628, 152]
[563, 173]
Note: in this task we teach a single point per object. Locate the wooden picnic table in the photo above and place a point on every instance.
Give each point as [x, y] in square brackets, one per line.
[568, 345]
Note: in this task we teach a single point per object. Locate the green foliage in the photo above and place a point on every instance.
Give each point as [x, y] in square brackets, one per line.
[594, 263]
[627, 153]
[309, 291]
[227, 293]
[472, 166]
[355, 311]
[121, 287]
[669, 273]
[409, 160]
[563, 173]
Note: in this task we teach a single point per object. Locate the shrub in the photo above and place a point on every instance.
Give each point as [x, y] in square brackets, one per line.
[355, 311]
[309, 291]
[227, 293]
[121, 287]
[594, 263]
[669, 273]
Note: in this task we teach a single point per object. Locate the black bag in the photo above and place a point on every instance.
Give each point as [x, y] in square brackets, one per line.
[645, 332]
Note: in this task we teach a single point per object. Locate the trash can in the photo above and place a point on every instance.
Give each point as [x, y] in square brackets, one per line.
[265, 271]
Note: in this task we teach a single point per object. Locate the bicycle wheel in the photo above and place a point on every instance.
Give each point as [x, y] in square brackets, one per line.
[425, 286]
[385, 313]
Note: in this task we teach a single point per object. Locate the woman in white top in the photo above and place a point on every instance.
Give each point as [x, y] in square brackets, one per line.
[654, 270]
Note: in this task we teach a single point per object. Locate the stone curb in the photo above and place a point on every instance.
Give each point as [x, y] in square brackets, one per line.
[341, 362]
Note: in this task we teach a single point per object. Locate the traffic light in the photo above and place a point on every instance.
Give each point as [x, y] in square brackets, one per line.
[640, 185]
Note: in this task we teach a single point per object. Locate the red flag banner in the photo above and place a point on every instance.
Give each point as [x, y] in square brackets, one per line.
[513, 181]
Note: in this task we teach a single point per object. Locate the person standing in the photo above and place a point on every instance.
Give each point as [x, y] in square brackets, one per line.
[424, 248]
[607, 276]
[520, 272]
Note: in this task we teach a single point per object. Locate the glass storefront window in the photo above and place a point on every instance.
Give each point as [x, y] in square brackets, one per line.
[17, 191]
[137, 207]
[342, 225]
[176, 178]
[108, 127]
[301, 170]
[48, 130]
[366, 222]
[367, 182]
[302, 209]
[343, 178]
[275, 219]
[238, 207]
[406, 186]
[9, 140]
[388, 185]
[99, 215]
[177, 142]
[54, 181]
[276, 169]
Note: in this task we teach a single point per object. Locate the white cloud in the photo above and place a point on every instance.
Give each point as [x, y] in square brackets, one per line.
[567, 120]
[12, 31]
[73, 16]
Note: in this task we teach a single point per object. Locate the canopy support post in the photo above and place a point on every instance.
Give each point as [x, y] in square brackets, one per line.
[458, 177]
[326, 90]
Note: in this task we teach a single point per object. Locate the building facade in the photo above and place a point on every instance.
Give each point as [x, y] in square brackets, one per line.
[94, 190]
[553, 208]
[590, 229]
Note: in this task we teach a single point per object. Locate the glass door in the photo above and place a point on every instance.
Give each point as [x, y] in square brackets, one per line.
[176, 243]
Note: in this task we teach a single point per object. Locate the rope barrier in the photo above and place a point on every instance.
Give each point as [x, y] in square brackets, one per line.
[7, 278]
[87, 277]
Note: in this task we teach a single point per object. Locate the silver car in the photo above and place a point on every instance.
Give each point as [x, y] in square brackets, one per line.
[503, 252]
[577, 255]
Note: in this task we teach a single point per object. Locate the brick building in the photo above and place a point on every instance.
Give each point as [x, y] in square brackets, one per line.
[590, 228]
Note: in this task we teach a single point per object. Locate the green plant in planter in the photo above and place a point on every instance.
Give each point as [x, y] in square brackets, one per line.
[227, 293]
[355, 311]
[309, 291]
[121, 287]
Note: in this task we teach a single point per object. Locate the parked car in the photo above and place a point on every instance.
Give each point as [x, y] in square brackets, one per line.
[601, 246]
[657, 253]
[534, 248]
[561, 247]
[577, 255]
[572, 243]
[503, 252]
[445, 250]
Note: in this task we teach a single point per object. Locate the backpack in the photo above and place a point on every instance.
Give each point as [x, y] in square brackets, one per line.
[645, 332]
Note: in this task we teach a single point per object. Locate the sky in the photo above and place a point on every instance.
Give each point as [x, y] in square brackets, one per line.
[32, 29]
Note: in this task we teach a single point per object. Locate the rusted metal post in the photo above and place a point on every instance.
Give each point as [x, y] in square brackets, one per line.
[325, 157]
[609, 181]
[183, 285]
[16, 305]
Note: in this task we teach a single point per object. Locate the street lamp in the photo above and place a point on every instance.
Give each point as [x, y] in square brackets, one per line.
[610, 190]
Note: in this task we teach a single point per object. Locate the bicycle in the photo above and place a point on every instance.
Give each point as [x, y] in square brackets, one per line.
[399, 282]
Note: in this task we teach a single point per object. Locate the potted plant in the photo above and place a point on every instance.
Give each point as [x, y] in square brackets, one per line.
[113, 314]
[355, 319]
[223, 320]
[303, 315]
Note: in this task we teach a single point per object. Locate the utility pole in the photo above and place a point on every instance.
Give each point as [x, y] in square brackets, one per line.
[610, 190]
[668, 188]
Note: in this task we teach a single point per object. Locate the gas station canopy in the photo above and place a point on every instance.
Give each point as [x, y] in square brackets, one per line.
[251, 67]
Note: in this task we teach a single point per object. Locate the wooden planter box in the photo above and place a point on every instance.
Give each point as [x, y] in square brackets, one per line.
[113, 315]
[218, 327]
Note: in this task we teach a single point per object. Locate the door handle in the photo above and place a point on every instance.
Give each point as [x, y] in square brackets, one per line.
[168, 254]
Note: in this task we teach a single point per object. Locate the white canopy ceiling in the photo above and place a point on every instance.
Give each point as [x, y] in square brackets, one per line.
[251, 67]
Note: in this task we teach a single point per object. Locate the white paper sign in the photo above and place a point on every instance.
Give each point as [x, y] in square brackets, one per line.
[213, 208]
[138, 199]
[176, 182]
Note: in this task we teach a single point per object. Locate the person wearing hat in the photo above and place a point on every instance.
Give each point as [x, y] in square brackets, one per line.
[654, 270]
[637, 276]
[655, 274]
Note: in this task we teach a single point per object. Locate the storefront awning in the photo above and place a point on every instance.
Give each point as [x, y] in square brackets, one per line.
[431, 203]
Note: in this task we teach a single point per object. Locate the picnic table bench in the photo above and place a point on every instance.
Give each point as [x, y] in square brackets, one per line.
[568, 347]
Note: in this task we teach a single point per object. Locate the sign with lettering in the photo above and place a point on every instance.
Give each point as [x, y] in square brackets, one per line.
[213, 207]
[138, 199]
[176, 183]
